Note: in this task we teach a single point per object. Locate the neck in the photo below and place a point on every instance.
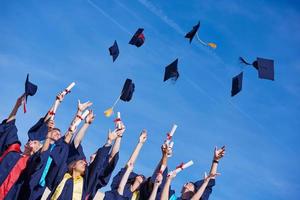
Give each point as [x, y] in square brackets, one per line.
[75, 174]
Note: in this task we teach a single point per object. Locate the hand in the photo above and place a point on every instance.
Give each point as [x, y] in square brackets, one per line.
[210, 176]
[130, 166]
[50, 124]
[83, 106]
[90, 117]
[143, 136]
[219, 153]
[72, 128]
[158, 179]
[120, 131]
[167, 149]
[172, 175]
[60, 96]
[111, 136]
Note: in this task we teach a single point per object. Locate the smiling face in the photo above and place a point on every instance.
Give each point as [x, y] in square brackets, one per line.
[188, 190]
[55, 134]
[79, 166]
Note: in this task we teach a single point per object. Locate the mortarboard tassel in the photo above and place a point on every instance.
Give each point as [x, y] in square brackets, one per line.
[110, 110]
[210, 44]
[24, 104]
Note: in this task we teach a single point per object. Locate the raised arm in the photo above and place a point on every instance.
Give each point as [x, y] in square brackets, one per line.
[88, 121]
[142, 140]
[81, 107]
[14, 111]
[117, 144]
[59, 98]
[218, 155]
[157, 183]
[201, 190]
[131, 161]
[165, 192]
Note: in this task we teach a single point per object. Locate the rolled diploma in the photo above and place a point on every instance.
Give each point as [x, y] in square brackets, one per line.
[186, 165]
[69, 88]
[171, 133]
[57, 101]
[118, 124]
[83, 116]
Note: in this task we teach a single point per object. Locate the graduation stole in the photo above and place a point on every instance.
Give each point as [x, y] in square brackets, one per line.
[77, 187]
[13, 176]
[12, 148]
[135, 195]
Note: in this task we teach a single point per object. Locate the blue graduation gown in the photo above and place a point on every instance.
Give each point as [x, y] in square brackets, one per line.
[117, 179]
[114, 195]
[8, 135]
[147, 186]
[208, 189]
[91, 180]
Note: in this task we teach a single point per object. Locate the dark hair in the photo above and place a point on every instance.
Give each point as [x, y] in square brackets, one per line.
[56, 129]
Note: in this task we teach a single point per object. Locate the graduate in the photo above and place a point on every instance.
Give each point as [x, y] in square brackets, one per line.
[81, 181]
[200, 189]
[140, 187]
[13, 161]
[129, 180]
[158, 181]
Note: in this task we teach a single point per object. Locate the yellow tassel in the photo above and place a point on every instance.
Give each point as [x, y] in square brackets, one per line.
[212, 45]
[108, 112]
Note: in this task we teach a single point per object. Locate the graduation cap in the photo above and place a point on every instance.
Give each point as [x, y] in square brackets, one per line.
[38, 131]
[171, 71]
[30, 90]
[191, 34]
[198, 184]
[75, 154]
[237, 83]
[114, 51]
[138, 38]
[264, 66]
[126, 95]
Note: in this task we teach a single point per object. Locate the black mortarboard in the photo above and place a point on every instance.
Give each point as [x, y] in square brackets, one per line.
[30, 88]
[265, 68]
[138, 38]
[237, 83]
[190, 35]
[38, 131]
[126, 95]
[171, 71]
[75, 154]
[114, 51]
[127, 90]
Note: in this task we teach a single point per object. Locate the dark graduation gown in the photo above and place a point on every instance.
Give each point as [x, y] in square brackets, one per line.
[147, 186]
[8, 135]
[208, 189]
[94, 177]
[117, 179]
[114, 195]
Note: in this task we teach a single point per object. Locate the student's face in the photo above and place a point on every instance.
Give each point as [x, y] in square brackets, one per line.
[137, 182]
[55, 135]
[80, 166]
[188, 189]
[92, 157]
[33, 146]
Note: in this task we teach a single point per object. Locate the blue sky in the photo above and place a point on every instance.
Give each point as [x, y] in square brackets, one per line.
[58, 42]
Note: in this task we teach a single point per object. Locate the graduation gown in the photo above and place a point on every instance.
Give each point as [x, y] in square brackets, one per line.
[94, 178]
[8, 135]
[114, 195]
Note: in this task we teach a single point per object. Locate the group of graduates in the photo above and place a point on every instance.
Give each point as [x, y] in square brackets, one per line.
[53, 166]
